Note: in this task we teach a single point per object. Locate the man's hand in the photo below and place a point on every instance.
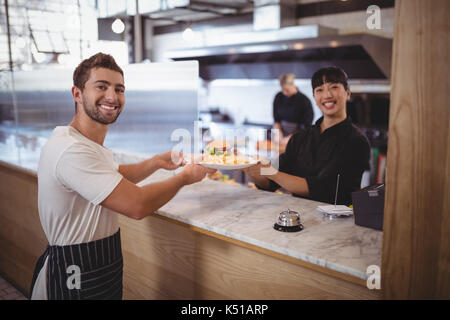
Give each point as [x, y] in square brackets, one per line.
[170, 160]
[194, 173]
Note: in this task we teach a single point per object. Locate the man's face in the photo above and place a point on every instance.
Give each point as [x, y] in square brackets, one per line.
[103, 96]
[288, 90]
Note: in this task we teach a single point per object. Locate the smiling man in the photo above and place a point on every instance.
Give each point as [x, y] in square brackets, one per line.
[81, 190]
[332, 146]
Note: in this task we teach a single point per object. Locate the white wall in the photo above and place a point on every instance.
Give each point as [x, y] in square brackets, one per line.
[250, 99]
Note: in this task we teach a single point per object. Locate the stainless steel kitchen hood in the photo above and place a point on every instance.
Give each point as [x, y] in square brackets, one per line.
[362, 56]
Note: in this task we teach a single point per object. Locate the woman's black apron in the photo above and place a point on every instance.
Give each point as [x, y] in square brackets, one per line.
[100, 264]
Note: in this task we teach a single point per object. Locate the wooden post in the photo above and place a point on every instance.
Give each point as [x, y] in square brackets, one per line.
[416, 244]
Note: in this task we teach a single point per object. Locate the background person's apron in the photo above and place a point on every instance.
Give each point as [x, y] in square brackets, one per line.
[289, 127]
[101, 268]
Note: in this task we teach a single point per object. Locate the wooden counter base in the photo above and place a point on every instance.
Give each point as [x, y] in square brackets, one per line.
[166, 259]
[22, 239]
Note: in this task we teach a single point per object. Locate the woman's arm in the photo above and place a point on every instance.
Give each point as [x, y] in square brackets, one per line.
[291, 183]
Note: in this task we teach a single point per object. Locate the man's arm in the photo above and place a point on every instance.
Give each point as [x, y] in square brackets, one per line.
[276, 117]
[277, 125]
[138, 202]
[306, 114]
[139, 171]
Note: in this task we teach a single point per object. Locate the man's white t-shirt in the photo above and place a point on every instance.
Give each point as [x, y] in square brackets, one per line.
[75, 175]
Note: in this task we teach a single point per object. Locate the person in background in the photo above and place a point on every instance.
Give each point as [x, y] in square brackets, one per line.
[292, 110]
[81, 191]
[316, 156]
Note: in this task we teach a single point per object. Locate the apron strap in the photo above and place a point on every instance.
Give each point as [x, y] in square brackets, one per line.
[38, 267]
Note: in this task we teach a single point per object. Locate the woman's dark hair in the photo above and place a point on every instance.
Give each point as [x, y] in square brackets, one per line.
[330, 75]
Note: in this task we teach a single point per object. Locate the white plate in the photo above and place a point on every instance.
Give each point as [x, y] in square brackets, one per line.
[228, 166]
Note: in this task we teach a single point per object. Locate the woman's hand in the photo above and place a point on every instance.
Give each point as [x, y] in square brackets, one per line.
[253, 171]
[260, 169]
[258, 172]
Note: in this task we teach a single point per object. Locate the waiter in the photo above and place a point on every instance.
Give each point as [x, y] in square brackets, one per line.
[292, 110]
[81, 190]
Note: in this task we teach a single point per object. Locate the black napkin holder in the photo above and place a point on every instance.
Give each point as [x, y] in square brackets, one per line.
[368, 206]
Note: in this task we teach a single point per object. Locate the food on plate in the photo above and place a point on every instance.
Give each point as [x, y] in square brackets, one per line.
[218, 176]
[219, 152]
[215, 176]
[263, 145]
[218, 148]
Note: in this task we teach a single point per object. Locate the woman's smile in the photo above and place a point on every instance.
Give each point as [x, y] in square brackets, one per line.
[329, 104]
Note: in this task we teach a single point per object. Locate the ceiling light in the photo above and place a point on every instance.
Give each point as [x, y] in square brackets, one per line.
[188, 34]
[334, 44]
[298, 46]
[118, 26]
[63, 58]
[39, 57]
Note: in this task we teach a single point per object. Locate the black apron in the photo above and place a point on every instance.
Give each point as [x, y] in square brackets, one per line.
[288, 128]
[101, 268]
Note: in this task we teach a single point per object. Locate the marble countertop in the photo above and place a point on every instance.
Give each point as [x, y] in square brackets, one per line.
[247, 215]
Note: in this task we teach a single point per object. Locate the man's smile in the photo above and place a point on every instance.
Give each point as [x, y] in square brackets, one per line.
[108, 106]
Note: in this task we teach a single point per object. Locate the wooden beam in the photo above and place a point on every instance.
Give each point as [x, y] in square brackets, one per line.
[416, 243]
[322, 8]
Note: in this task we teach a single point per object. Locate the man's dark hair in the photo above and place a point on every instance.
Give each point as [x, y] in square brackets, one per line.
[330, 75]
[99, 60]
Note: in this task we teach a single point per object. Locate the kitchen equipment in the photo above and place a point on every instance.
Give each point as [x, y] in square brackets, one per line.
[288, 221]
